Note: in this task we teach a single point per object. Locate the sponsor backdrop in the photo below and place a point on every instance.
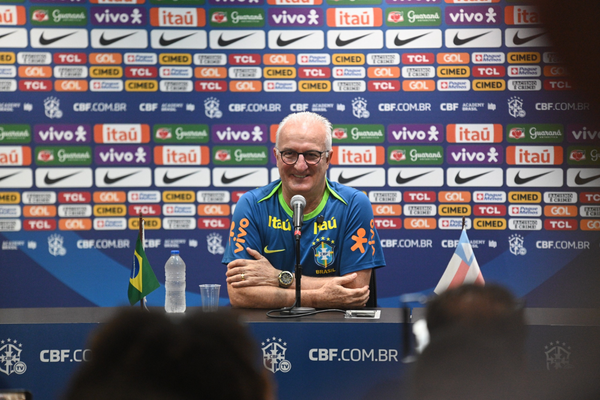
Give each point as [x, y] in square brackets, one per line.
[442, 109]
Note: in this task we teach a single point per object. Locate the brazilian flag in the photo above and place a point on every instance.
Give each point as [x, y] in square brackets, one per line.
[142, 280]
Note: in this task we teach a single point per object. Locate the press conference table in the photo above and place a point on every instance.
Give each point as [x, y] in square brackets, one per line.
[324, 356]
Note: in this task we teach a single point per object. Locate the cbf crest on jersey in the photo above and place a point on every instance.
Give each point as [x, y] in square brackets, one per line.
[324, 250]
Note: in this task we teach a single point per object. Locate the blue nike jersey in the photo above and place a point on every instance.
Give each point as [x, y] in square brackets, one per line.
[346, 241]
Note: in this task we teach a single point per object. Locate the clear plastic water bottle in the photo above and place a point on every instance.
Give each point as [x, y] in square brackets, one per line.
[175, 284]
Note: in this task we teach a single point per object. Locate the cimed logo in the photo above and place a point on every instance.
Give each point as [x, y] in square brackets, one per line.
[211, 108]
[517, 245]
[10, 357]
[52, 108]
[274, 355]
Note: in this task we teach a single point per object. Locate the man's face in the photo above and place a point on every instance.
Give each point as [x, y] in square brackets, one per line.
[302, 178]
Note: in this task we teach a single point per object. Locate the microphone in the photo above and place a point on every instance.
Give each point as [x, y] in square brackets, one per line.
[298, 203]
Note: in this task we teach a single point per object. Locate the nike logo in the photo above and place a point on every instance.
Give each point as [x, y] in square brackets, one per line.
[222, 42]
[46, 42]
[459, 180]
[460, 42]
[110, 181]
[518, 41]
[283, 43]
[341, 43]
[343, 180]
[225, 180]
[272, 251]
[168, 180]
[402, 42]
[6, 34]
[8, 176]
[400, 180]
[521, 181]
[52, 181]
[582, 181]
[106, 42]
[167, 42]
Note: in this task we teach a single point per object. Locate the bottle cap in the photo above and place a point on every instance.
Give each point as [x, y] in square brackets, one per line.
[174, 251]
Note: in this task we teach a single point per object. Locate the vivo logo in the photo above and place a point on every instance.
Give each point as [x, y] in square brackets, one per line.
[62, 134]
[122, 155]
[118, 16]
[416, 133]
[239, 133]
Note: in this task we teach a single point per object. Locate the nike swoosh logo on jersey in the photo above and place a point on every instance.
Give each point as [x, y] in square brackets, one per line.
[109, 181]
[46, 42]
[106, 42]
[272, 251]
[343, 180]
[52, 181]
[283, 43]
[341, 43]
[6, 34]
[223, 43]
[522, 181]
[519, 41]
[8, 176]
[402, 42]
[582, 181]
[167, 42]
[459, 42]
[400, 180]
[460, 180]
[225, 180]
[168, 180]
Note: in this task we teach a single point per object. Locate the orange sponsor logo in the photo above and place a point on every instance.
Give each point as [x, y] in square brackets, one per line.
[110, 197]
[210, 72]
[106, 58]
[27, 71]
[418, 86]
[387, 209]
[75, 224]
[420, 223]
[39, 211]
[213, 209]
[245, 86]
[383, 72]
[560, 211]
[279, 59]
[454, 197]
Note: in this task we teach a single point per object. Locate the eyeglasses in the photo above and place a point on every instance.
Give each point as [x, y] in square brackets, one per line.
[312, 157]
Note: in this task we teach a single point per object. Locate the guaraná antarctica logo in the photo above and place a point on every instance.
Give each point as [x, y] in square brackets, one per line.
[273, 350]
[10, 357]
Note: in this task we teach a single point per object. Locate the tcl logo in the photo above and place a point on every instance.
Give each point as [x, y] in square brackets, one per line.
[388, 223]
[560, 211]
[560, 224]
[496, 71]
[589, 197]
[213, 223]
[39, 224]
[141, 72]
[419, 58]
[419, 223]
[388, 209]
[419, 197]
[37, 85]
[74, 197]
[489, 210]
[210, 86]
[314, 72]
[70, 58]
[384, 86]
[244, 59]
[144, 209]
[213, 209]
[558, 84]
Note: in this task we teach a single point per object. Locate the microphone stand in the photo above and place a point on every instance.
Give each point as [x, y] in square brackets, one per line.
[297, 308]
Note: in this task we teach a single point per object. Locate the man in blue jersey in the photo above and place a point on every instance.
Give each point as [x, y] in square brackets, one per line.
[339, 243]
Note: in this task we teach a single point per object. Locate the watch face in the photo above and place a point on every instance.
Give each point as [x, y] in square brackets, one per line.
[286, 278]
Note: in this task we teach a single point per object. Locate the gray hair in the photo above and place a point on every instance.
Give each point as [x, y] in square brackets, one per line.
[310, 117]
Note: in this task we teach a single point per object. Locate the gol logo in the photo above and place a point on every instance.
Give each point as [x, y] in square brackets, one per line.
[75, 224]
[418, 86]
[560, 211]
[210, 72]
[590, 224]
[39, 211]
[110, 197]
[419, 223]
[106, 58]
[213, 209]
[388, 209]
[454, 197]
[245, 86]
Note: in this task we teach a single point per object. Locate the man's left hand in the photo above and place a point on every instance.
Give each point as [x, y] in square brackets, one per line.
[257, 272]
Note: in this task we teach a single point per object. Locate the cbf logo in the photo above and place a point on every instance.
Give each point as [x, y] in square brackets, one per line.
[517, 245]
[52, 108]
[359, 108]
[324, 251]
[214, 242]
[558, 356]
[274, 355]
[211, 108]
[55, 245]
[515, 107]
[10, 357]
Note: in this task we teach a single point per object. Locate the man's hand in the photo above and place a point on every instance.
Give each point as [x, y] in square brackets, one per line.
[257, 272]
[334, 293]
